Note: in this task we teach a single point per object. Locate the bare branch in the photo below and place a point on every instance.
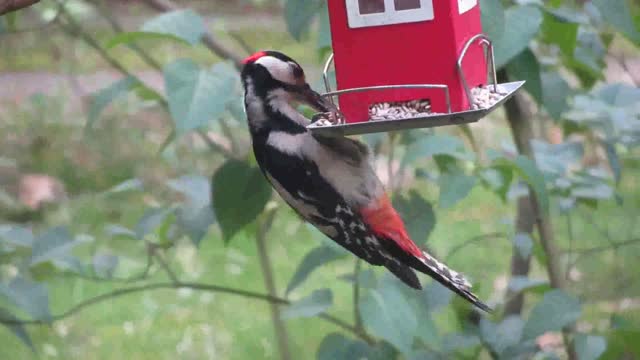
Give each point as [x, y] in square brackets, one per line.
[182, 285]
[597, 249]
[7, 6]
[172, 275]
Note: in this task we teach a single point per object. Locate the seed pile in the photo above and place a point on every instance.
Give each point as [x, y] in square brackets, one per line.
[485, 97]
[399, 110]
[324, 119]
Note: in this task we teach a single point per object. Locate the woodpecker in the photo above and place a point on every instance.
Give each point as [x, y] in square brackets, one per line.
[329, 181]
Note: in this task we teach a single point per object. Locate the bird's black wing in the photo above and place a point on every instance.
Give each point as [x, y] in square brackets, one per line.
[298, 181]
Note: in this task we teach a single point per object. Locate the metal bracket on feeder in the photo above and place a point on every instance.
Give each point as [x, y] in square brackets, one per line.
[421, 121]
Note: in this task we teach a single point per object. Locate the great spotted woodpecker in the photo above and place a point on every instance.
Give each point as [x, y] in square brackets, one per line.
[329, 180]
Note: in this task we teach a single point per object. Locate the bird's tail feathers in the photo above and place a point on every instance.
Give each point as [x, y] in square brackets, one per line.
[453, 280]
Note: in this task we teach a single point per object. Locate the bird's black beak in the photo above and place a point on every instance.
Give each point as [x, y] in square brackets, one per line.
[315, 100]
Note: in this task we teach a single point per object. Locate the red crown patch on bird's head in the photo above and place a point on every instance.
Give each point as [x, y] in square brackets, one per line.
[254, 57]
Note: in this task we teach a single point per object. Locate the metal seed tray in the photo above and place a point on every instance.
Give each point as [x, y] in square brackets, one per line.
[456, 118]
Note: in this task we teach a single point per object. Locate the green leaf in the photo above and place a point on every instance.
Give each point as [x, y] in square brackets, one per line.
[417, 214]
[555, 92]
[387, 314]
[524, 244]
[318, 302]
[561, 32]
[196, 215]
[528, 170]
[436, 296]
[119, 230]
[102, 98]
[519, 284]
[183, 24]
[17, 329]
[15, 235]
[240, 193]
[314, 259]
[525, 66]
[104, 264]
[501, 336]
[621, 344]
[429, 146]
[454, 187]
[492, 18]
[150, 220]
[196, 189]
[195, 222]
[556, 310]
[127, 185]
[336, 346]
[618, 14]
[54, 244]
[589, 347]
[299, 15]
[196, 95]
[523, 23]
[460, 341]
[29, 296]
[131, 37]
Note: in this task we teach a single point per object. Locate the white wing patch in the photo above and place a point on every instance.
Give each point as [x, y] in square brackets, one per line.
[291, 144]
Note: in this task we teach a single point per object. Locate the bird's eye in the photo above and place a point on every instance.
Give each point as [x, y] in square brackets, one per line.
[297, 71]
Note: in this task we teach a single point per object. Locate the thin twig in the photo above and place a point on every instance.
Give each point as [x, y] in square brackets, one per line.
[163, 263]
[133, 289]
[571, 240]
[182, 285]
[472, 240]
[352, 329]
[356, 295]
[597, 249]
[269, 282]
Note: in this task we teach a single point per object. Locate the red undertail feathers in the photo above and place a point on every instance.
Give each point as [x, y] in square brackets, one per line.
[385, 222]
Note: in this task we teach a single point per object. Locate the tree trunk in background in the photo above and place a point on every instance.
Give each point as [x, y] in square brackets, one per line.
[519, 265]
[519, 117]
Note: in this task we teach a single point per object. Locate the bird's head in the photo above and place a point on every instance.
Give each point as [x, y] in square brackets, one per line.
[274, 78]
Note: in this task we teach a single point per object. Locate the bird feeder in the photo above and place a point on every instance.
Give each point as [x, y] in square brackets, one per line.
[405, 64]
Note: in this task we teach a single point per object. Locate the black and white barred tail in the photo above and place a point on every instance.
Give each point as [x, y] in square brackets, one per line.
[449, 278]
